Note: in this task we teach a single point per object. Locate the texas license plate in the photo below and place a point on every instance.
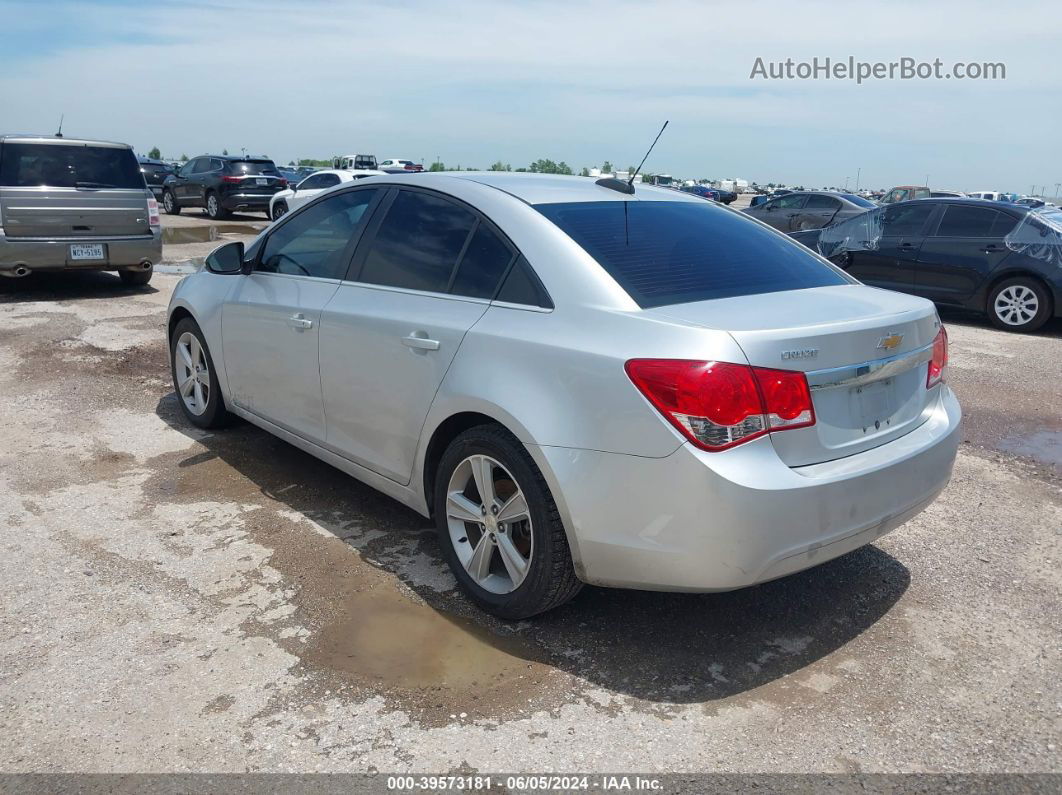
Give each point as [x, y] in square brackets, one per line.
[86, 251]
[261, 181]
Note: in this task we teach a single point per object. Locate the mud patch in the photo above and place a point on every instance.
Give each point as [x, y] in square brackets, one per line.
[386, 639]
[1042, 446]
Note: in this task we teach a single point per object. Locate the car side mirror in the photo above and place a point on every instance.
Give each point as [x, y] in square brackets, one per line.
[227, 259]
[294, 187]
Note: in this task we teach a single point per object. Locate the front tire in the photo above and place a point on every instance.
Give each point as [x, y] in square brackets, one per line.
[169, 203]
[1020, 304]
[136, 278]
[280, 209]
[499, 528]
[195, 378]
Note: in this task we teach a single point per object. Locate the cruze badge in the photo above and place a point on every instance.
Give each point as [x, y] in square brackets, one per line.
[803, 353]
[890, 341]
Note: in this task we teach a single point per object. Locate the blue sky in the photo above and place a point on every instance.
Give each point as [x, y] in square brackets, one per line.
[474, 82]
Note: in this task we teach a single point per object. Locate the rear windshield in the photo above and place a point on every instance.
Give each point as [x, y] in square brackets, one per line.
[68, 166]
[253, 167]
[665, 253]
[859, 201]
[155, 168]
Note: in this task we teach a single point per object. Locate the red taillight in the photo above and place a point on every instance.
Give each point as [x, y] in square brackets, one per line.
[282, 182]
[153, 213]
[938, 365]
[717, 405]
[232, 179]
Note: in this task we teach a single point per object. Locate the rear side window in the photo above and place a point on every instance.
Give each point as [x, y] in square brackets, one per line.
[792, 202]
[907, 219]
[522, 287]
[418, 243]
[859, 201]
[822, 203]
[483, 264]
[266, 167]
[962, 221]
[69, 166]
[675, 252]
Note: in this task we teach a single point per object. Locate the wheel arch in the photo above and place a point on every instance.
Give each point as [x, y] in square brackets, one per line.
[449, 425]
[1017, 273]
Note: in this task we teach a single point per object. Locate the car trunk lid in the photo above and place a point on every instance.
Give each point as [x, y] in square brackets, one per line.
[864, 351]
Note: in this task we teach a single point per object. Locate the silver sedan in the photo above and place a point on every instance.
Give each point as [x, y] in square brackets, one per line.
[579, 383]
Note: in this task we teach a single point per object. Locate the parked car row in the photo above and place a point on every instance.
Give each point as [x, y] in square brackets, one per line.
[998, 258]
[808, 210]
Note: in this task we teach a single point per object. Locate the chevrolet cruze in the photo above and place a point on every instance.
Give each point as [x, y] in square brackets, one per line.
[579, 381]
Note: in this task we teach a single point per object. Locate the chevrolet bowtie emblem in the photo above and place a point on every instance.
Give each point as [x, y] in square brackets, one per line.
[890, 341]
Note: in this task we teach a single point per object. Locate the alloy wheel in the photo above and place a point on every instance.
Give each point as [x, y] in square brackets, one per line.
[167, 202]
[1016, 305]
[212, 206]
[193, 373]
[490, 524]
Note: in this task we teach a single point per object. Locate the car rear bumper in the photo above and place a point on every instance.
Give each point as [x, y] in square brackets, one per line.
[40, 254]
[698, 521]
[244, 201]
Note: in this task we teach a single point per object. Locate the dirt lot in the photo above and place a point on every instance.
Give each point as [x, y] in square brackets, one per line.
[178, 601]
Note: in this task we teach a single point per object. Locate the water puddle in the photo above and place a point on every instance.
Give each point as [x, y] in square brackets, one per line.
[385, 639]
[205, 234]
[1044, 446]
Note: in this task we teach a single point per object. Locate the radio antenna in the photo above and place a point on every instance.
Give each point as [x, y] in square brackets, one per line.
[631, 180]
[59, 132]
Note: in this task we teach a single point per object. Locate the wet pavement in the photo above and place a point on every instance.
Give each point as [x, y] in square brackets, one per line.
[183, 600]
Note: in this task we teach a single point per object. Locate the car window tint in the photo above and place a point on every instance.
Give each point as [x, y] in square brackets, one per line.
[963, 221]
[69, 166]
[823, 203]
[418, 243]
[906, 219]
[675, 252]
[792, 202]
[312, 183]
[521, 287]
[1003, 225]
[313, 242]
[328, 180]
[483, 264]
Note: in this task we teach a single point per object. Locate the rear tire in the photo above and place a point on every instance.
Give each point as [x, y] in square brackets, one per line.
[200, 399]
[549, 577]
[1020, 304]
[169, 203]
[136, 278]
[214, 210]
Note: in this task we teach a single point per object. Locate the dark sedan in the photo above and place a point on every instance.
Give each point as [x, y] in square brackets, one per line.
[808, 210]
[703, 191]
[155, 173]
[1001, 259]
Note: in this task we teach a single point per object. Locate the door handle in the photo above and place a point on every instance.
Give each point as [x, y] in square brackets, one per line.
[906, 245]
[300, 321]
[991, 249]
[420, 343]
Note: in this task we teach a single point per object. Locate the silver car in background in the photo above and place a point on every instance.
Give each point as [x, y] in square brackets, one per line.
[579, 383]
[68, 203]
[802, 210]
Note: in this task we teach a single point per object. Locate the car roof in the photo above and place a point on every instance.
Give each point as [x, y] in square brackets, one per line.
[967, 200]
[238, 158]
[53, 139]
[543, 188]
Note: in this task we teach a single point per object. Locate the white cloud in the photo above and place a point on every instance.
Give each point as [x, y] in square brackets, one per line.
[580, 81]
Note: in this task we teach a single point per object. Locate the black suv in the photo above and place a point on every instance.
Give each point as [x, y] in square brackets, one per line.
[221, 184]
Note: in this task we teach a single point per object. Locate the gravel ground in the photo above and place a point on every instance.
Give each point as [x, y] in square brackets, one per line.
[182, 601]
